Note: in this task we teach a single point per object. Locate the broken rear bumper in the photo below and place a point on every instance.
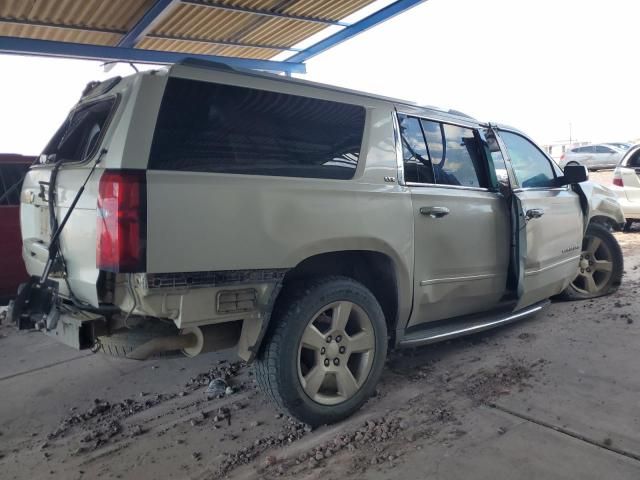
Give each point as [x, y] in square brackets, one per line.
[38, 306]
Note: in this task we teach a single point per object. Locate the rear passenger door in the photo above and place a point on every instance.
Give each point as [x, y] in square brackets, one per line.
[586, 156]
[551, 217]
[461, 228]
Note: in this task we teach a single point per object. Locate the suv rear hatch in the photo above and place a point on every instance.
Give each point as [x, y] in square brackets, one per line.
[66, 163]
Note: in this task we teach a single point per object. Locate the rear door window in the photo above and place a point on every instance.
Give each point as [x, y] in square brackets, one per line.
[208, 127]
[603, 149]
[456, 154]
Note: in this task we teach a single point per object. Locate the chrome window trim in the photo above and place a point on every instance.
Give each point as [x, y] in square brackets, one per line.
[444, 185]
[398, 142]
[461, 123]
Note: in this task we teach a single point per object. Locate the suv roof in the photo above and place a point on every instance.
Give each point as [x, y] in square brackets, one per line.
[191, 64]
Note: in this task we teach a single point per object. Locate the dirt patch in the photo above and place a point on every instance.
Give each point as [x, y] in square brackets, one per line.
[379, 442]
[487, 385]
[289, 433]
[102, 421]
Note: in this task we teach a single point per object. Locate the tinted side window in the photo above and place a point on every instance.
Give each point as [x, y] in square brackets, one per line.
[206, 127]
[634, 160]
[456, 154]
[603, 149]
[417, 166]
[531, 167]
[588, 149]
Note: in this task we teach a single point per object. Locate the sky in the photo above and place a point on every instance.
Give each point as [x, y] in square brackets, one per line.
[547, 67]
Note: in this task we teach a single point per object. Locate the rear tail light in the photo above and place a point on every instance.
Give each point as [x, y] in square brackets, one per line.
[562, 157]
[122, 221]
[618, 181]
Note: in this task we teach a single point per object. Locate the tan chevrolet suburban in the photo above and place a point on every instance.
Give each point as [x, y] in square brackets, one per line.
[312, 228]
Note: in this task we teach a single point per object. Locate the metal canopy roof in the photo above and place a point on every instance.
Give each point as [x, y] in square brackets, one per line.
[240, 33]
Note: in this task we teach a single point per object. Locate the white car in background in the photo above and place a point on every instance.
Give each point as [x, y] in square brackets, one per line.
[626, 184]
[594, 157]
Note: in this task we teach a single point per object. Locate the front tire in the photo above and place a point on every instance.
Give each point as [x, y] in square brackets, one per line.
[601, 265]
[324, 357]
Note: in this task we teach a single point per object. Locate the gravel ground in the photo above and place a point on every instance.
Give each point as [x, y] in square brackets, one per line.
[550, 397]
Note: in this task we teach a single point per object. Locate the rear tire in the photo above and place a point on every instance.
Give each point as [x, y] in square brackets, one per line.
[323, 358]
[601, 266]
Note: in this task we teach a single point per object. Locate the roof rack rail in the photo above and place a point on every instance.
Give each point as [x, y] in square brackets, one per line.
[198, 62]
[460, 114]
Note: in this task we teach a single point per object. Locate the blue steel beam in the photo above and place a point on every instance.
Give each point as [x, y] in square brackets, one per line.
[355, 29]
[225, 43]
[146, 23]
[48, 48]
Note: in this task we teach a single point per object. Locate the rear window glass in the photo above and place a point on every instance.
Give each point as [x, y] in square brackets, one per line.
[78, 137]
[11, 174]
[208, 127]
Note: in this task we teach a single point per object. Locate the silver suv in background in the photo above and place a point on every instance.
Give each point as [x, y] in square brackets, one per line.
[309, 227]
[594, 157]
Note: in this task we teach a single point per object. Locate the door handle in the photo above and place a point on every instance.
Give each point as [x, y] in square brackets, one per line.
[434, 212]
[534, 213]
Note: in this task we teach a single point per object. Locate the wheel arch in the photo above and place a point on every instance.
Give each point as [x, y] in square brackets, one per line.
[375, 270]
[606, 222]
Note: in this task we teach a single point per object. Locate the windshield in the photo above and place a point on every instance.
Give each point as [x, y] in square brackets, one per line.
[78, 137]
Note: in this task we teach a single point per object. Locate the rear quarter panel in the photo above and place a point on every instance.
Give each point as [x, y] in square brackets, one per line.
[213, 221]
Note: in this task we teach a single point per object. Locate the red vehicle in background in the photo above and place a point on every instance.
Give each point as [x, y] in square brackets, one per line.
[12, 271]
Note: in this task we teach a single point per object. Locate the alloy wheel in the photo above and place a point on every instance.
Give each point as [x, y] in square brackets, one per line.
[336, 353]
[595, 267]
